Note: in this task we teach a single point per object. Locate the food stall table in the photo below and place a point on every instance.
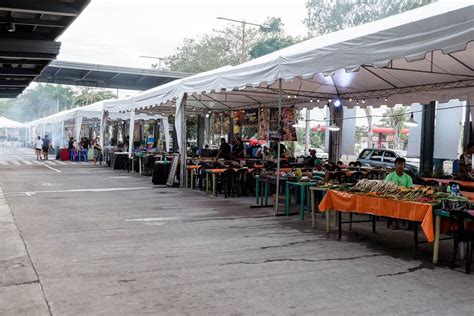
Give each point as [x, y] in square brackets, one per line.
[266, 180]
[191, 169]
[465, 184]
[380, 206]
[312, 192]
[213, 172]
[303, 186]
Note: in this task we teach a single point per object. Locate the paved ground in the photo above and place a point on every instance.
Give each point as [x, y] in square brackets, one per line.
[79, 239]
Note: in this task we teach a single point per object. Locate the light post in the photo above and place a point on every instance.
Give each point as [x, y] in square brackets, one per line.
[160, 59]
[242, 55]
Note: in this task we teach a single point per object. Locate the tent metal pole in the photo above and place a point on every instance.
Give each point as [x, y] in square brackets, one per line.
[306, 131]
[278, 149]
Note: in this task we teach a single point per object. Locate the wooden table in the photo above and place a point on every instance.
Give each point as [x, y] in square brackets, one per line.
[379, 206]
[191, 169]
[465, 184]
[213, 172]
[302, 186]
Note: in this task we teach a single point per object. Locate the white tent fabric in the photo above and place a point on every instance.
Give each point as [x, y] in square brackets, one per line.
[89, 111]
[417, 56]
[7, 123]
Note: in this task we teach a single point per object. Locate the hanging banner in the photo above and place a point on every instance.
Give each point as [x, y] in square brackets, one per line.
[288, 120]
[250, 118]
[226, 123]
[217, 123]
[264, 124]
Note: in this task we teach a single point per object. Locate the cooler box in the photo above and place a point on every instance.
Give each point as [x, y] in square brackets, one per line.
[64, 154]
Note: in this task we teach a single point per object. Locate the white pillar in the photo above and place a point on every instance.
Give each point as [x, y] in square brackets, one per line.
[180, 123]
[130, 133]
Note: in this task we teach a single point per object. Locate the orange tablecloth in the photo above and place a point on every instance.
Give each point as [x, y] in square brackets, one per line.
[467, 184]
[358, 203]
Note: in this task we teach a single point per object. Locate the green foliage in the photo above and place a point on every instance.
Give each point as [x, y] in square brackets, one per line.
[224, 47]
[330, 16]
[87, 96]
[395, 118]
[46, 99]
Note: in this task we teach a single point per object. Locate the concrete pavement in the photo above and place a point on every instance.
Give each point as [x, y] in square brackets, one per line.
[90, 240]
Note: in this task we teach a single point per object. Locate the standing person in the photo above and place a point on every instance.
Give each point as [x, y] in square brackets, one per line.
[38, 148]
[224, 151]
[97, 151]
[309, 163]
[238, 150]
[45, 147]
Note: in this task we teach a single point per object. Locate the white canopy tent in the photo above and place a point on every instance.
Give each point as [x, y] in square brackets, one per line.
[109, 113]
[7, 123]
[421, 55]
[92, 111]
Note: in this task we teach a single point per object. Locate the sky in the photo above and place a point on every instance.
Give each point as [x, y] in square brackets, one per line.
[118, 32]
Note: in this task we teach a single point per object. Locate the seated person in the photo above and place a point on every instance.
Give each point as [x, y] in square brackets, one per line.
[398, 176]
[309, 162]
[465, 163]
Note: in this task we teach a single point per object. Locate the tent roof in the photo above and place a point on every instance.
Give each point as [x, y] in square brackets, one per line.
[89, 111]
[7, 123]
[417, 56]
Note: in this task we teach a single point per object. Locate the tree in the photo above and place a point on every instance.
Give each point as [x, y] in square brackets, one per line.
[46, 99]
[224, 47]
[330, 16]
[88, 96]
[395, 117]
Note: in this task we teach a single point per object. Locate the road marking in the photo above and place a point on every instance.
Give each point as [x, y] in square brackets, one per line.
[4, 163]
[29, 193]
[15, 162]
[153, 219]
[60, 162]
[26, 162]
[54, 169]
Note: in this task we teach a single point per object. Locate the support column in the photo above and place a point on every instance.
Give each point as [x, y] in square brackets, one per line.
[175, 137]
[306, 132]
[231, 126]
[181, 120]
[131, 129]
[335, 137]
[200, 131]
[427, 138]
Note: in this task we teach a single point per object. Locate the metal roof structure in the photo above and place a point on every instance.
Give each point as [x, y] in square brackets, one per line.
[105, 76]
[28, 33]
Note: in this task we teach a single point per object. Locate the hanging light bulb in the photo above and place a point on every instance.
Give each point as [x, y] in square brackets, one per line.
[363, 101]
[318, 100]
[337, 103]
[311, 101]
[289, 96]
[386, 99]
[411, 122]
[350, 99]
[333, 127]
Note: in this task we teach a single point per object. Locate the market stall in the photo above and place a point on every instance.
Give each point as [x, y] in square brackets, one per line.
[417, 56]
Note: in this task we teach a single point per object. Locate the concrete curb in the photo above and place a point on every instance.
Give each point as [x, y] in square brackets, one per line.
[20, 290]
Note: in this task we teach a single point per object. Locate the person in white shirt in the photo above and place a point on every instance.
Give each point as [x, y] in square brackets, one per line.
[38, 148]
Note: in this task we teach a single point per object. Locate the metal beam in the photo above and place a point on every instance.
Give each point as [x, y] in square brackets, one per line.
[427, 139]
[14, 83]
[43, 7]
[36, 22]
[22, 72]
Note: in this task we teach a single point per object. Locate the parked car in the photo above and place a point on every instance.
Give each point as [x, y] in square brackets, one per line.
[321, 154]
[381, 158]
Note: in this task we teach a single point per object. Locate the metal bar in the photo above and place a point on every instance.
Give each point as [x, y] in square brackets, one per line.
[427, 72]
[42, 7]
[35, 22]
[278, 151]
[459, 61]
[378, 76]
